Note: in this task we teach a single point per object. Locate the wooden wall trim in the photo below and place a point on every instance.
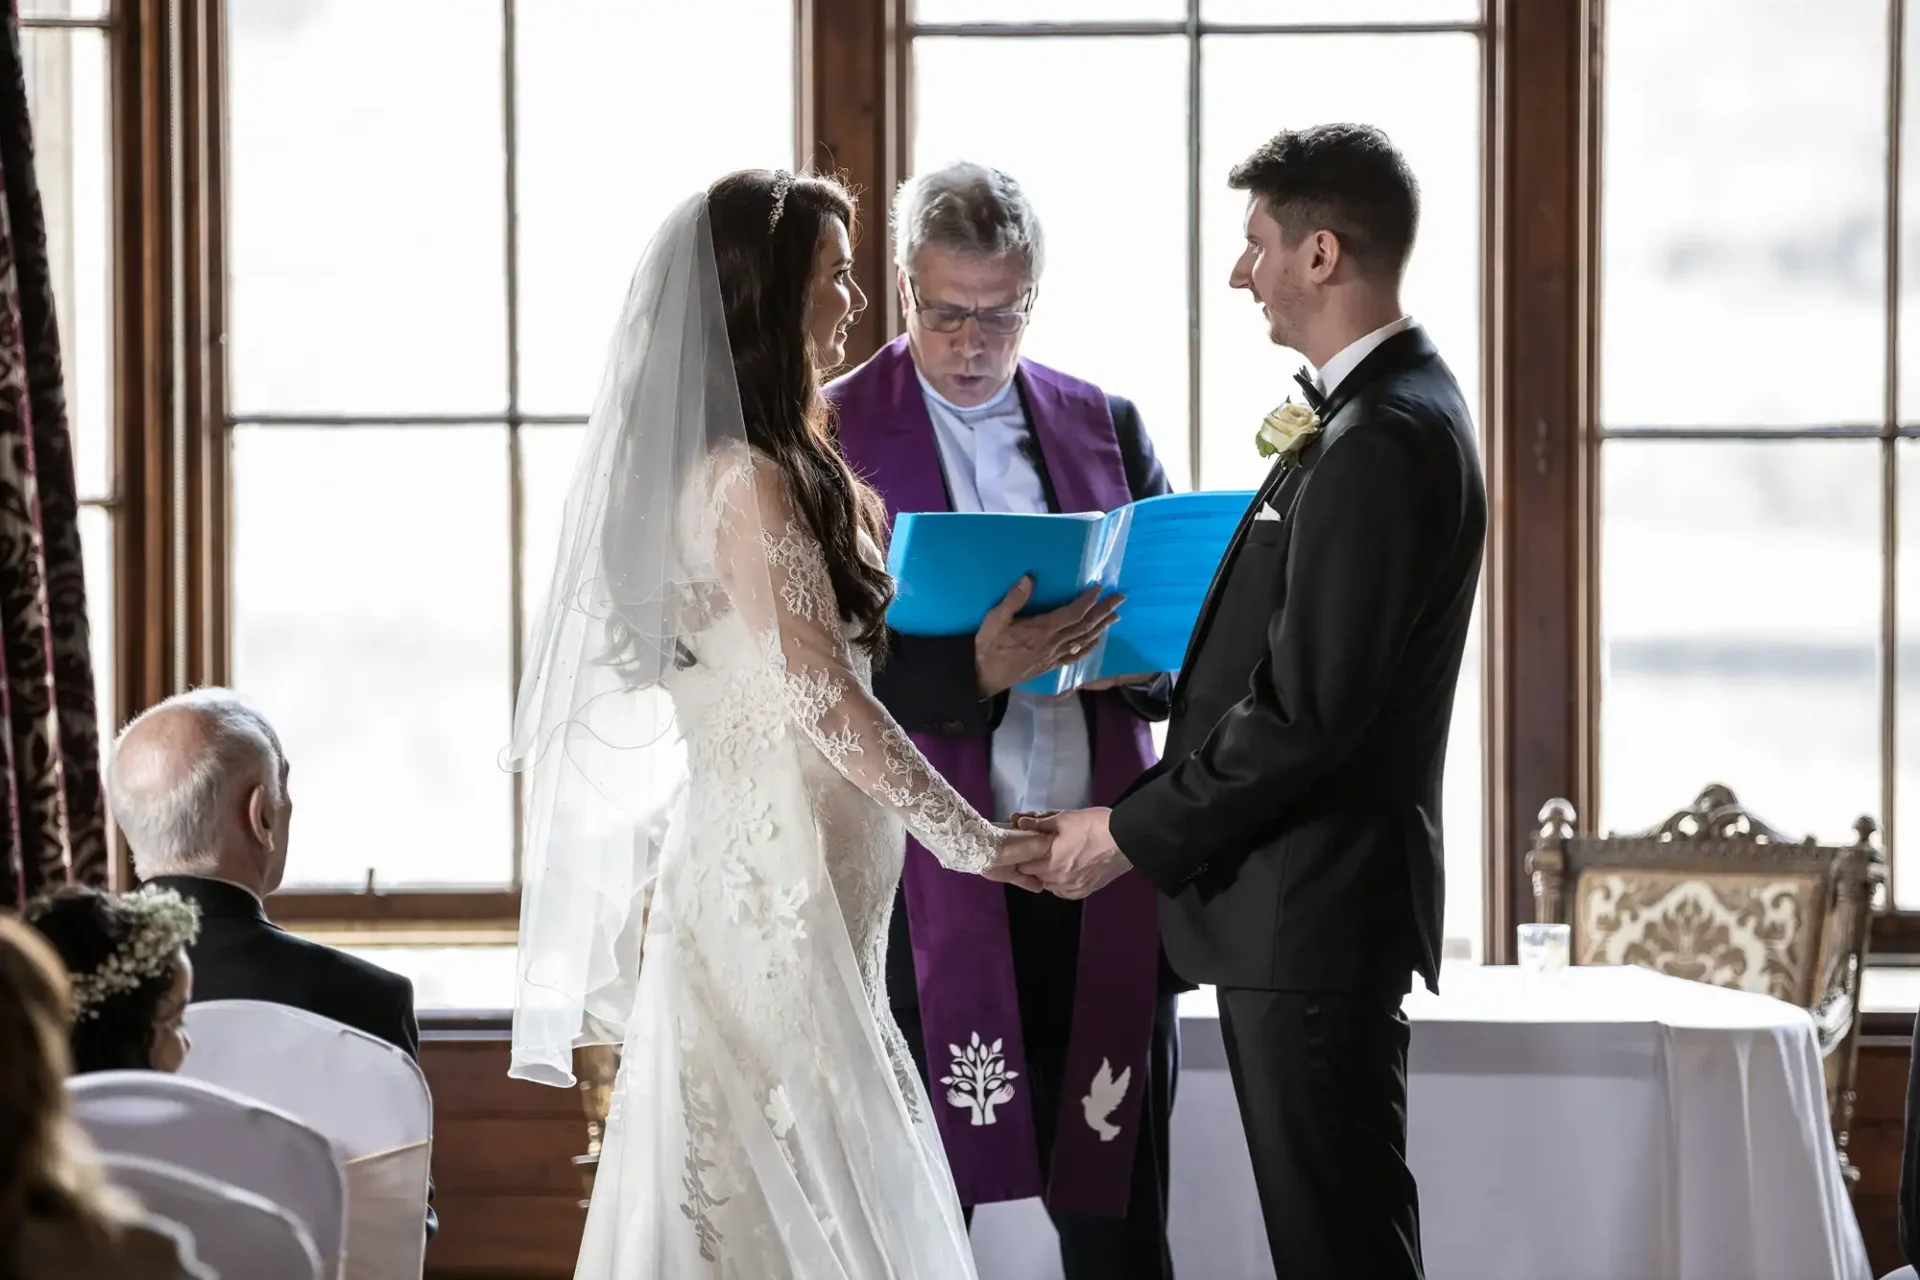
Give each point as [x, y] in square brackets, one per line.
[506, 1189]
[200, 450]
[142, 368]
[853, 119]
[168, 122]
[168, 113]
[1539, 474]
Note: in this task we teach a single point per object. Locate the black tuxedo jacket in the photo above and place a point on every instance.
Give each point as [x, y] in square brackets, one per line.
[1293, 826]
[241, 955]
[929, 684]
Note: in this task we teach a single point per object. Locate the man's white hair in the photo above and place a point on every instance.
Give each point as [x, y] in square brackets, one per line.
[968, 208]
[175, 829]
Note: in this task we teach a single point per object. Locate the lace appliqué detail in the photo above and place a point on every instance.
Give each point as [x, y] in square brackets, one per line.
[935, 808]
[701, 1114]
[813, 693]
[745, 816]
[805, 586]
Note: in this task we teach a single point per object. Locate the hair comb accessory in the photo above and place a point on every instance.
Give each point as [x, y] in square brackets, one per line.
[163, 922]
[782, 183]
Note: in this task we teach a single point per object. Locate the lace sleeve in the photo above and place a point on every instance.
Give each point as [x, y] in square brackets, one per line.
[775, 574]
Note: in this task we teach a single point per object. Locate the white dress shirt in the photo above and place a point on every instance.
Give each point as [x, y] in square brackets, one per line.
[1331, 374]
[1041, 757]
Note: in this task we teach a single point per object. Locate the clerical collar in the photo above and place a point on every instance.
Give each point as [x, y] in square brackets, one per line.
[965, 410]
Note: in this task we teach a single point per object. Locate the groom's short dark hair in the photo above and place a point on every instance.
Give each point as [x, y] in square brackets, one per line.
[1343, 178]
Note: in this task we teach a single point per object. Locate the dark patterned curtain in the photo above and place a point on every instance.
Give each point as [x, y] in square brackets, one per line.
[50, 752]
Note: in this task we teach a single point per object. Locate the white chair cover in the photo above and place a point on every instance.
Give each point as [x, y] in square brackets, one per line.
[381, 1128]
[192, 1265]
[235, 1233]
[221, 1135]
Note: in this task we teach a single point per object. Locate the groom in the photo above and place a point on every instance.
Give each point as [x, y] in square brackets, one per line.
[1293, 827]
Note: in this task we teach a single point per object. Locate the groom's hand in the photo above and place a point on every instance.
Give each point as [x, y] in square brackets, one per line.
[1020, 847]
[1084, 858]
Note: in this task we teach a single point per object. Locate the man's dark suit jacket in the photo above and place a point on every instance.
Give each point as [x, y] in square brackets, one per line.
[241, 955]
[1293, 825]
[930, 685]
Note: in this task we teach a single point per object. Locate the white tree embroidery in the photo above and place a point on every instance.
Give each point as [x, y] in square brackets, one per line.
[980, 1080]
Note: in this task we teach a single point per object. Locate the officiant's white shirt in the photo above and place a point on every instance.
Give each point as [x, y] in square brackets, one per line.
[1041, 757]
[1331, 374]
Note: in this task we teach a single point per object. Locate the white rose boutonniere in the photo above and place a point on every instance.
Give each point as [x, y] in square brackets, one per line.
[1287, 431]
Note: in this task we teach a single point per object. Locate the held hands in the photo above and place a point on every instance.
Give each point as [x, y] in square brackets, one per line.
[1082, 858]
[1019, 848]
[1009, 649]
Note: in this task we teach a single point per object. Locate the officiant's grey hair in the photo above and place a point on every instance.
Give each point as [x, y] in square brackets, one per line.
[970, 209]
[172, 798]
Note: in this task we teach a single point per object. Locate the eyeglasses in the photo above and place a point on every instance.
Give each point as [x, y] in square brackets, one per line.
[1000, 324]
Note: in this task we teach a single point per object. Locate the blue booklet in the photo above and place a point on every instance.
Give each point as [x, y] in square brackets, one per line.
[952, 568]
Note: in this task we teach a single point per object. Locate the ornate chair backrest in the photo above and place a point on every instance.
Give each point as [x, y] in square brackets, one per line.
[1714, 895]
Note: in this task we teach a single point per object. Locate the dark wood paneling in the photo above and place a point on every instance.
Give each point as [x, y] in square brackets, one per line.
[311, 908]
[469, 1078]
[1876, 1143]
[505, 1189]
[506, 1156]
[1881, 1079]
[143, 366]
[506, 1238]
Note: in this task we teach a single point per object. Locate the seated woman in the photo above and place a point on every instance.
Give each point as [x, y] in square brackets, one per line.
[58, 1218]
[126, 956]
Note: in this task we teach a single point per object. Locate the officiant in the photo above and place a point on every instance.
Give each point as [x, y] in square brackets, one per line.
[1068, 1007]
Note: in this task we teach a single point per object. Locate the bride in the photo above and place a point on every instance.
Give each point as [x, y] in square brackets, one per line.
[713, 785]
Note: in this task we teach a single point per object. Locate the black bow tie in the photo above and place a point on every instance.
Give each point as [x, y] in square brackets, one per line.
[1316, 399]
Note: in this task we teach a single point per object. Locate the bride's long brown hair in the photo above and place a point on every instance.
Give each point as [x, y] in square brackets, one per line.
[765, 284]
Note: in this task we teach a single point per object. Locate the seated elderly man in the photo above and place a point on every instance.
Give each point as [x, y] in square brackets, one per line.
[198, 786]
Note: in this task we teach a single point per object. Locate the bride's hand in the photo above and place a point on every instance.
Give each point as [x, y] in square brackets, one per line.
[1017, 848]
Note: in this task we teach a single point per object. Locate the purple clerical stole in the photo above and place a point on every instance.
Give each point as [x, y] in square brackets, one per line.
[962, 953]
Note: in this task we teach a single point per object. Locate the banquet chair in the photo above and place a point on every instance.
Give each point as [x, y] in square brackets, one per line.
[192, 1265]
[222, 1135]
[235, 1232]
[1715, 895]
[381, 1127]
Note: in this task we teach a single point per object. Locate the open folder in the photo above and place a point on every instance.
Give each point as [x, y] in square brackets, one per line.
[952, 568]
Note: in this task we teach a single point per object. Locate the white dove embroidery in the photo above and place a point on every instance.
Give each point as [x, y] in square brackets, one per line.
[1103, 1098]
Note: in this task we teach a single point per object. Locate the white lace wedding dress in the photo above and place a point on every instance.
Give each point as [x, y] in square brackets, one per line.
[768, 1120]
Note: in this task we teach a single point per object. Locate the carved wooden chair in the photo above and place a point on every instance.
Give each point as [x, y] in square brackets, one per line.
[1715, 895]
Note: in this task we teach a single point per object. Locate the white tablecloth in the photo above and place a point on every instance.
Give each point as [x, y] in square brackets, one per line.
[1623, 1124]
[1618, 1126]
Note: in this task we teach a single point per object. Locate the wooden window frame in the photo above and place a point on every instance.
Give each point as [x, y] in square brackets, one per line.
[853, 104]
[1541, 603]
[1895, 935]
[1513, 305]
